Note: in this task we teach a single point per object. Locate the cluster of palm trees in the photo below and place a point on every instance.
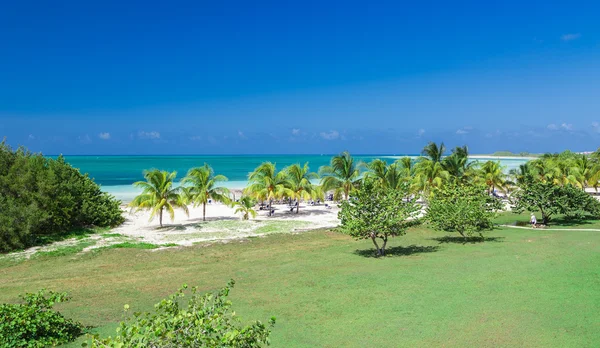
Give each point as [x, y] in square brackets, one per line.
[344, 174]
[566, 168]
[159, 193]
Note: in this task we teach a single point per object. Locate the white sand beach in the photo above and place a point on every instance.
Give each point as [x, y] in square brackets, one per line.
[223, 224]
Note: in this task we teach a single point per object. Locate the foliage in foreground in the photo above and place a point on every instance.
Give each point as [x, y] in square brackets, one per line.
[206, 321]
[465, 209]
[550, 199]
[376, 212]
[35, 323]
[43, 198]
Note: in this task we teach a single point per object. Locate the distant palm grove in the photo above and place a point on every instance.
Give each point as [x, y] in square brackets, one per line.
[436, 169]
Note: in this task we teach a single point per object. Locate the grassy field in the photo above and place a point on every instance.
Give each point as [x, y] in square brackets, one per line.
[526, 288]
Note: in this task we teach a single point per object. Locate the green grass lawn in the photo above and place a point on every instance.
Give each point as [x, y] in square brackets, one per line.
[521, 288]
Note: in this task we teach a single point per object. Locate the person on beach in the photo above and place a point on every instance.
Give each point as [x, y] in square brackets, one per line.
[533, 220]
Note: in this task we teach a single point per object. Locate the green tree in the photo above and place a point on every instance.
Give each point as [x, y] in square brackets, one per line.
[298, 181]
[245, 206]
[465, 209]
[434, 152]
[267, 184]
[493, 176]
[159, 194]
[457, 164]
[206, 321]
[429, 175]
[376, 212]
[203, 185]
[550, 199]
[342, 175]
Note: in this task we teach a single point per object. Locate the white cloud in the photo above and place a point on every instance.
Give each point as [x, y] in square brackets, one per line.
[570, 37]
[148, 135]
[461, 132]
[241, 135]
[552, 126]
[566, 126]
[31, 137]
[332, 135]
[295, 131]
[420, 132]
[85, 139]
[104, 136]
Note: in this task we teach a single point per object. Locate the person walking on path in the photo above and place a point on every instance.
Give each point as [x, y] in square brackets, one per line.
[533, 220]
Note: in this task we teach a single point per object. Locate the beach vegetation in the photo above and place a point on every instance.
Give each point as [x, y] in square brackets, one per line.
[245, 206]
[298, 181]
[492, 175]
[205, 321]
[265, 183]
[201, 185]
[35, 323]
[377, 213]
[342, 175]
[45, 199]
[159, 194]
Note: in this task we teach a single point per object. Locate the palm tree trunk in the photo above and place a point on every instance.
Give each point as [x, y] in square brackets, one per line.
[160, 217]
[204, 211]
[297, 206]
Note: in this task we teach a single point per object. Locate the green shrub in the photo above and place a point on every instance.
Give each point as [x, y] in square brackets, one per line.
[205, 322]
[35, 324]
[41, 197]
[465, 209]
[550, 199]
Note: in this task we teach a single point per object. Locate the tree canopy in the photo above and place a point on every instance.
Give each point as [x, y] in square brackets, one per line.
[159, 194]
[376, 212]
[465, 209]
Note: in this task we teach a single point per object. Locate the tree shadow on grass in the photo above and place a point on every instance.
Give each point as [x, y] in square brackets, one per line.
[398, 251]
[466, 240]
[570, 222]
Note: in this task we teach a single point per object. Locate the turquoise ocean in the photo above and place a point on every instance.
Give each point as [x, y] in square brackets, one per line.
[116, 174]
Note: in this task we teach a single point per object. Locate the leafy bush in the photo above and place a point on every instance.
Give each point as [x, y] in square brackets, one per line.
[465, 209]
[204, 322]
[35, 324]
[550, 199]
[42, 197]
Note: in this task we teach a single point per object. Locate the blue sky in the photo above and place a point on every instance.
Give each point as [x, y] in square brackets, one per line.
[202, 77]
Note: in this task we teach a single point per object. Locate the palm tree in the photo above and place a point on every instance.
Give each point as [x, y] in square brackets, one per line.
[317, 193]
[203, 186]
[298, 182]
[434, 152]
[159, 194]
[493, 175]
[245, 206]
[521, 174]
[396, 175]
[429, 174]
[342, 175]
[265, 183]
[378, 171]
[458, 165]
